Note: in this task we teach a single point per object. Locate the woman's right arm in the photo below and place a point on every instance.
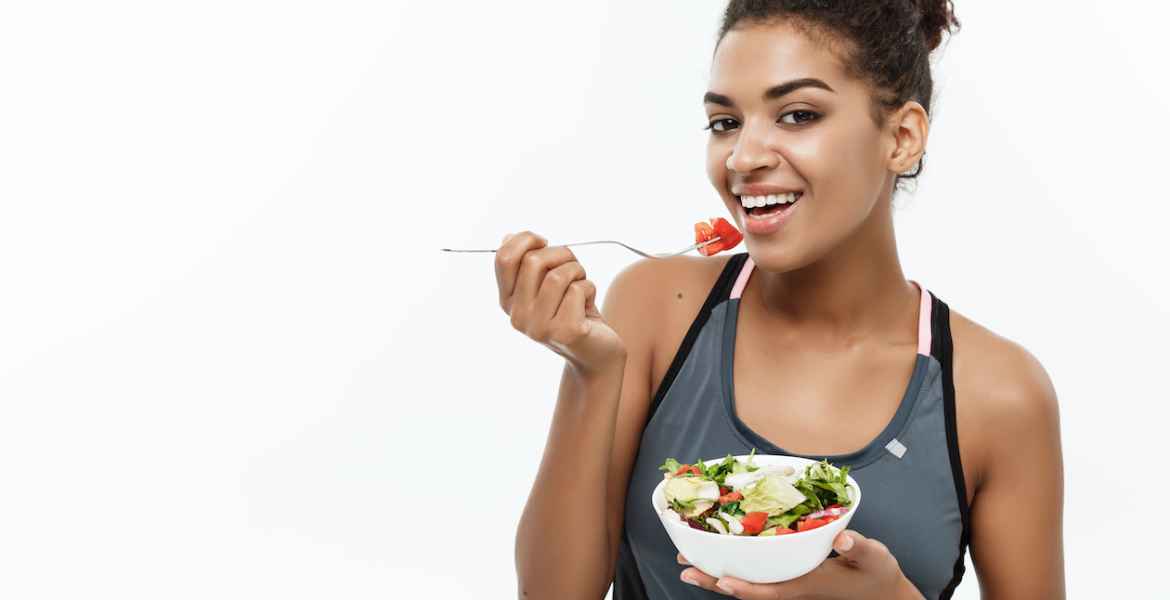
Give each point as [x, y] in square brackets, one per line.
[568, 536]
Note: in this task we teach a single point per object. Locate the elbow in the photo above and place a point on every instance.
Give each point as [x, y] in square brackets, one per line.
[549, 569]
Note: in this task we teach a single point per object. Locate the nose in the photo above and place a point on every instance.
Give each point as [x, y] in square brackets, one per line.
[752, 151]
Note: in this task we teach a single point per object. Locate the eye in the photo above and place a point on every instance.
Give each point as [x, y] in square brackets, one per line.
[719, 125]
[799, 117]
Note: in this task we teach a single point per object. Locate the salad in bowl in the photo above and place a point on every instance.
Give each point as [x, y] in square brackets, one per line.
[762, 518]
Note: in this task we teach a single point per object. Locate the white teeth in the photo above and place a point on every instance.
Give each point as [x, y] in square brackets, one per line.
[760, 201]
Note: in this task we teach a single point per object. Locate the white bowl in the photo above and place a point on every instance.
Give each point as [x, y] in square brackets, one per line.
[768, 559]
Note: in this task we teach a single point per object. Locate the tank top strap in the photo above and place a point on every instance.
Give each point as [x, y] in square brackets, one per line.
[718, 294]
[925, 305]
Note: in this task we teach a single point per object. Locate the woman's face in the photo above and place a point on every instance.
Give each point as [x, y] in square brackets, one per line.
[786, 118]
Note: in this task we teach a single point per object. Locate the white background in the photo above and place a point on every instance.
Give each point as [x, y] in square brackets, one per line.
[233, 363]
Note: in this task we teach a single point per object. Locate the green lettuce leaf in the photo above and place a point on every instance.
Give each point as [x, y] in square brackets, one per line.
[771, 494]
[693, 493]
[670, 466]
[789, 517]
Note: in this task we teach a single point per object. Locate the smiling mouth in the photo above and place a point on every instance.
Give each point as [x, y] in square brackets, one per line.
[760, 206]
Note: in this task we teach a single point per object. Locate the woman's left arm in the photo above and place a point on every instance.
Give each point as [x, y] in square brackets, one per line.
[1017, 513]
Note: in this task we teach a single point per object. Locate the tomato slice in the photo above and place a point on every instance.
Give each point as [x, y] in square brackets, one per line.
[703, 232]
[729, 236]
[731, 497]
[753, 522]
[688, 469]
[784, 531]
[807, 524]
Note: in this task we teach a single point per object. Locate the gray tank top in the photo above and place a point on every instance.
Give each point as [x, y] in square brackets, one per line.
[915, 498]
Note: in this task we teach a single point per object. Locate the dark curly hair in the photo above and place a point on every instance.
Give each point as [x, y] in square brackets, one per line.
[886, 43]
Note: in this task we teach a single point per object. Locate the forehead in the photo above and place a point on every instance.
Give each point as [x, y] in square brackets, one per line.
[756, 56]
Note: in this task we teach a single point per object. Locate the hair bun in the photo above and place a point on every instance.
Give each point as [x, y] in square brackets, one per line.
[938, 17]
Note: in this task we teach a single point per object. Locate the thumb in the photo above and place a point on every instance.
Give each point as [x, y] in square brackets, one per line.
[860, 550]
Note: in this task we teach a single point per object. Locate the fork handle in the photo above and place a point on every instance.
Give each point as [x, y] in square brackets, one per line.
[566, 245]
[695, 246]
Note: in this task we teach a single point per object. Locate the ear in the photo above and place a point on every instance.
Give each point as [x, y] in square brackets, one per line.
[908, 128]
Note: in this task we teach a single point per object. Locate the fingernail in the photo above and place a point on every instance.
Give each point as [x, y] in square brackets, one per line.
[681, 560]
[726, 587]
[507, 236]
[688, 579]
[845, 544]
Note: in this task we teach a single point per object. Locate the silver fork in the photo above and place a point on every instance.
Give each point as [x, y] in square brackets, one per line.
[627, 247]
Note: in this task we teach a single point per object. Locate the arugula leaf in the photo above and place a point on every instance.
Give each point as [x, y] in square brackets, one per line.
[810, 492]
[828, 483]
[719, 472]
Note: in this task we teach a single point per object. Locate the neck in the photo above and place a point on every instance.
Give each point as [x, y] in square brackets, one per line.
[857, 289]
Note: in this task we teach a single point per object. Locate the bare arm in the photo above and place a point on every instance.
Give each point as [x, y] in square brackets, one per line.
[561, 552]
[1017, 512]
[603, 390]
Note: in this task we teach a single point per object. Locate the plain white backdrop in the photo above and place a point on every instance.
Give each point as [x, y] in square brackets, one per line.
[234, 364]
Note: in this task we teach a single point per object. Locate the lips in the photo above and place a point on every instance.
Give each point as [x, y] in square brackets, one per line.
[769, 219]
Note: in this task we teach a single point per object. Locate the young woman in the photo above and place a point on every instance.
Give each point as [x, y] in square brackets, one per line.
[812, 343]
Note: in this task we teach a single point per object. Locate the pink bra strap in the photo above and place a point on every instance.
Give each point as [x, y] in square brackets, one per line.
[741, 281]
[924, 321]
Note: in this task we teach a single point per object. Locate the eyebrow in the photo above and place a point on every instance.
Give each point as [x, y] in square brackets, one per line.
[772, 93]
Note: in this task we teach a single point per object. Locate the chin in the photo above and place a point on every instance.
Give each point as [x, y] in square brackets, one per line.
[771, 256]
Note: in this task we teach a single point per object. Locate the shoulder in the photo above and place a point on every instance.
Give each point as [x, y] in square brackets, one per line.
[654, 296]
[655, 283]
[658, 285]
[1004, 397]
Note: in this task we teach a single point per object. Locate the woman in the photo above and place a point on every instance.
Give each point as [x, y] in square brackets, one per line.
[812, 343]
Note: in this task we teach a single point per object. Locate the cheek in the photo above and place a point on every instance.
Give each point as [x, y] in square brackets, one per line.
[838, 166]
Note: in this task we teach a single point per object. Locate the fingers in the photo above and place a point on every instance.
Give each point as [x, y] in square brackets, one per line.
[535, 265]
[543, 289]
[508, 256]
[552, 293]
[544, 278]
[863, 552]
[728, 586]
[698, 578]
[570, 321]
[738, 588]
